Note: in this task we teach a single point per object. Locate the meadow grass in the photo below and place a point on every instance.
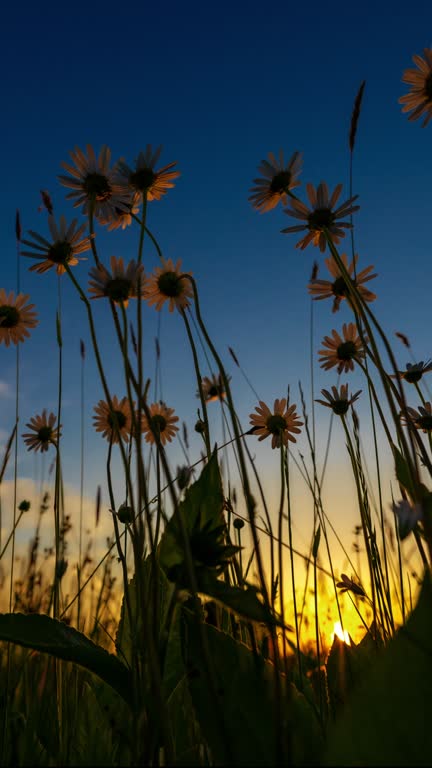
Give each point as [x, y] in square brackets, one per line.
[200, 635]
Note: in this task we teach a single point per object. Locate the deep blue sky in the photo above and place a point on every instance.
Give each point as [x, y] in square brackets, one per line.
[219, 85]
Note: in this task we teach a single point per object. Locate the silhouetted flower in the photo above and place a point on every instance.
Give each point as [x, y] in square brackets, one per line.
[64, 248]
[120, 284]
[342, 352]
[321, 216]
[120, 218]
[339, 402]
[161, 422]
[43, 432]
[166, 285]
[338, 288]
[413, 372]
[113, 422]
[15, 317]
[93, 183]
[213, 388]
[282, 424]
[144, 180]
[349, 585]
[419, 99]
[278, 180]
[421, 419]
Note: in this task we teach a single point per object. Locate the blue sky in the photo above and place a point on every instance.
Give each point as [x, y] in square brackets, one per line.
[219, 85]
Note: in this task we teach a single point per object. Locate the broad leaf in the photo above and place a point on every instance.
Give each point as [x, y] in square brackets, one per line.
[386, 720]
[47, 635]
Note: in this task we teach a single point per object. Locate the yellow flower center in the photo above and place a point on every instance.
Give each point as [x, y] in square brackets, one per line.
[142, 179]
[276, 424]
[97, 187]
[281, 182]
[9, 316]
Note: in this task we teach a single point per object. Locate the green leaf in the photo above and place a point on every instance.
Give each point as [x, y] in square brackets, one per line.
[128, 632]
[245, 602]
[386, 720]
[47, 635]
[202, 514]
[247, 734]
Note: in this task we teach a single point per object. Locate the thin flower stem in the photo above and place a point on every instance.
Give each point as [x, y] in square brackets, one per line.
[280, 553]
[199, 382]
[92, 233]
[285, 459]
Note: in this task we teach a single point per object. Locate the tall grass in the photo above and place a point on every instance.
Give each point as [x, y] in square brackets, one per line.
[199, 636]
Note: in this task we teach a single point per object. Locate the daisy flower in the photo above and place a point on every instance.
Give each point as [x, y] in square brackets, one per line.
[63, 249]
[161, 422]
[413, 372]
[339, 402]
[421, 419]
[121, 218]
[281, 424]
[144, 180]
[43, 432]
[120, 284]
[342, 352]
[107, 419]
[278, 180]
[419, 99]
[321, 215]
[213, 388]
[15, 317]
[166, 285]
[338, 288]
[93, 183]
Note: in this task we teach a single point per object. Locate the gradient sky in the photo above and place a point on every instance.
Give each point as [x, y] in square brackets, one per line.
[219, 85]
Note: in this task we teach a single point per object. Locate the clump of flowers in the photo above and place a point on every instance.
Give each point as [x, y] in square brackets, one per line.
[321, 216]
[16, 316]
[166, 285]
[279, 179]
[64, 249]
[120, 284]
[342, 352]
[338, 288]
[282, 424]
[43, 433]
